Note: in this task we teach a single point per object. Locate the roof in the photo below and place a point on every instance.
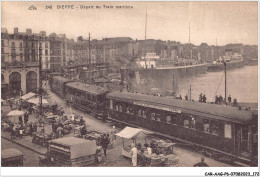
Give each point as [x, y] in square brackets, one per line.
[69, 141]
[9, 153]
[93, 89]
[132, 133]
[60, 79]
[214, 111]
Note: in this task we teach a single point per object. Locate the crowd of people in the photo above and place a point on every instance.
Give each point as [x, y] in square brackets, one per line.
[202, 98]
[220, 100]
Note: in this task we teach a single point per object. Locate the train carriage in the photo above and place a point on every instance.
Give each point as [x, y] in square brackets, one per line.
[223, 129]
[58, 85]
[87, 97]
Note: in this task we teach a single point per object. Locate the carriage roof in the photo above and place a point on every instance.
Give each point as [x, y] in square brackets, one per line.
[226, 113]
[92, 89]
[61, 79]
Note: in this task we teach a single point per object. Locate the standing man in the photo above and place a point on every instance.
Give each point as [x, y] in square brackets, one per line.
[134, 152]
[186, 97]
[229, 99]
[201, 163]
[104, 143]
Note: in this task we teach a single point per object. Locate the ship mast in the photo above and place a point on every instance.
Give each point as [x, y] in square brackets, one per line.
[145, 40]
[190, 48]
[225, 67]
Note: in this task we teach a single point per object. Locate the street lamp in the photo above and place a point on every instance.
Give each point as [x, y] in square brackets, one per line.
[40, 85]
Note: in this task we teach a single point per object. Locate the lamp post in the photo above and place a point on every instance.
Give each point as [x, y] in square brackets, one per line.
[40, 84]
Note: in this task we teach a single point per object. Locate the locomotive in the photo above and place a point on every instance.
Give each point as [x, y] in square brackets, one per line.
[226, 130]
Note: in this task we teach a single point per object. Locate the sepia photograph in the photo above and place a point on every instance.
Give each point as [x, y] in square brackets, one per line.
[130, 84]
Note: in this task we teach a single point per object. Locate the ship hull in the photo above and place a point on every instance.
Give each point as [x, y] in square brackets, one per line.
[164, 78]
[230, 65]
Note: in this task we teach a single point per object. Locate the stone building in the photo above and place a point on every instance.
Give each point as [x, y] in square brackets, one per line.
[20, 62]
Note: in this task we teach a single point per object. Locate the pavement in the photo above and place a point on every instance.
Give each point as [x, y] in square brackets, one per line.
[114, 157]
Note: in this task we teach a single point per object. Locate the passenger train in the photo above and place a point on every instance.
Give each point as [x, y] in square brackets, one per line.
[222, 129]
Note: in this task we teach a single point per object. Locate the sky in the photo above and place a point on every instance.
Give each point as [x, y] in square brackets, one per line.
[210, 22]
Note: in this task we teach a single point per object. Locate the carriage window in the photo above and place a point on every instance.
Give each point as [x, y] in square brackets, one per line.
[144, 114]
[206, 126]
[158, 117]
[193, 123]
[140, 113]
[131, 111]
[186, 123]
[228, 131]
[153, 116]
[174, 119]
[214, 128]
[120, 108]
[111, 104]
[168, 119]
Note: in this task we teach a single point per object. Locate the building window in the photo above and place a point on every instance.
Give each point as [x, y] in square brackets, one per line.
[12, 51]
[13, 57]
[63, 46]
[32, 44]
[13, 45]
[21, 57]
[46, 62]
[46, 45]
[2, 43]
[26, 44]
[46, 52]
[40, 45]
[2, 49]
[21, 45]
[228, 132]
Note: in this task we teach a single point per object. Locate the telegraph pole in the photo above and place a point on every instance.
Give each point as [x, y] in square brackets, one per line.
[89, 50]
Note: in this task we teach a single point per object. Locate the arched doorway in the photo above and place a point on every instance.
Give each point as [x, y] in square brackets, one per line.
[15, 83]
[31, 81]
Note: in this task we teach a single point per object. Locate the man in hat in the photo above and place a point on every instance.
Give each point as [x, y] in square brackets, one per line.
[134, 152]
[201, 163]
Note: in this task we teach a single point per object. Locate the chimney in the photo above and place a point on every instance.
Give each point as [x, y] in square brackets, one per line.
[4, 30]
[29, 31]
[15, 30]
[43, 33]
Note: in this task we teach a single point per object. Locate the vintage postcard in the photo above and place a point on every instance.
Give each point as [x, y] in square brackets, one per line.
[130, 84]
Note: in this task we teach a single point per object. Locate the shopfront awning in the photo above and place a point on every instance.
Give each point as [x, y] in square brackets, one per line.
[132, 133]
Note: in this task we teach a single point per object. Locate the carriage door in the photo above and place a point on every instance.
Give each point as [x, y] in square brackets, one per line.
[245, 140]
